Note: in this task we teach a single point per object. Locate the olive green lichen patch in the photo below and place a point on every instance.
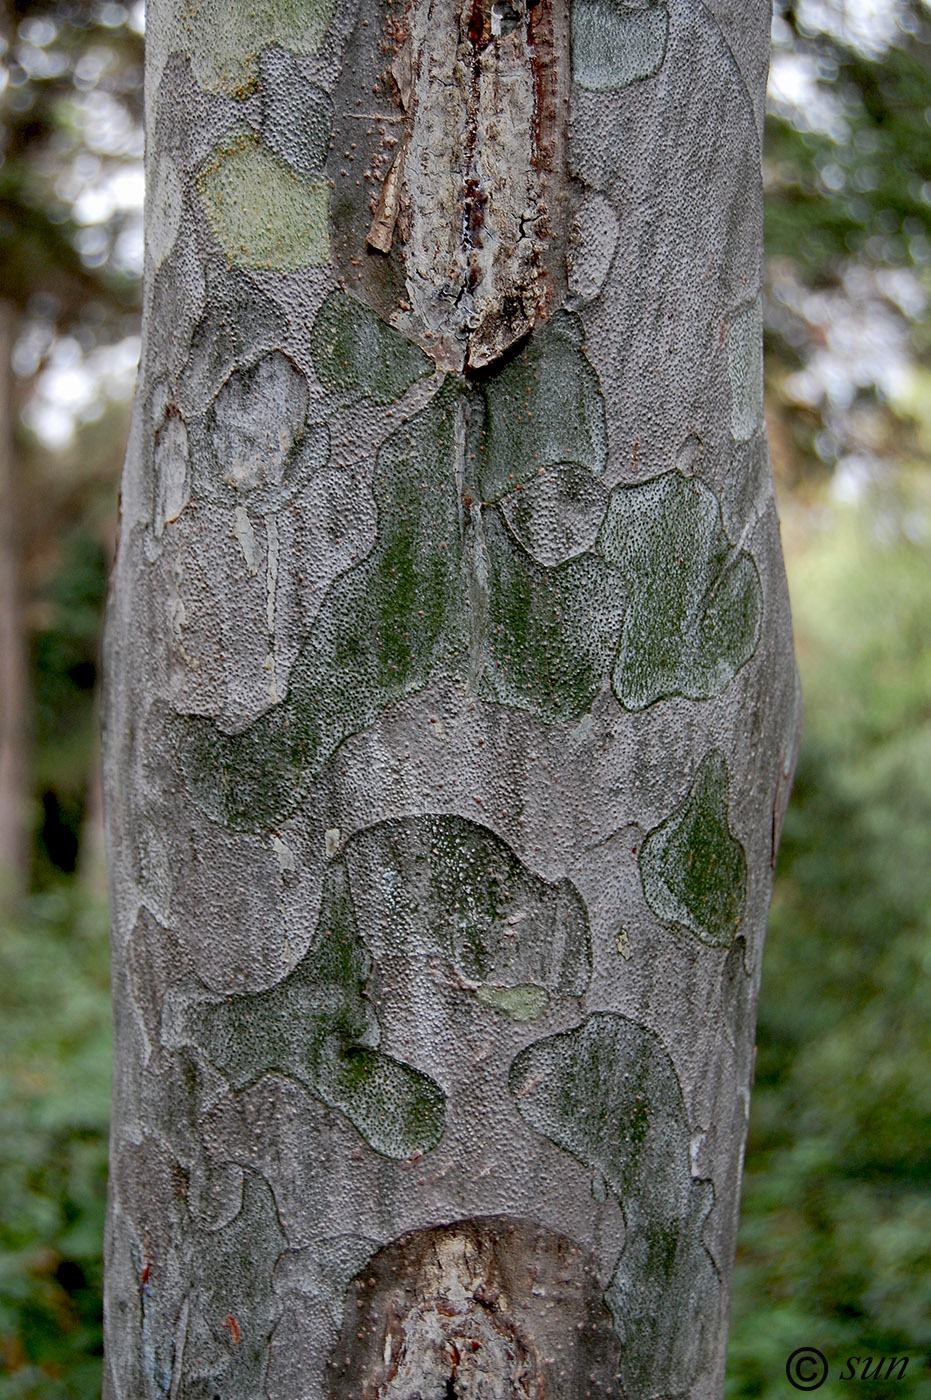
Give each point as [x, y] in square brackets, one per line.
[542, 407]
[693, 868]
[552, 633]
[356, 353]
[524, 1003]
[262, 213]
[608, 1093]
[317, 1027]
[443, 886]
[224, 38]
[695, 602]
[616, 44]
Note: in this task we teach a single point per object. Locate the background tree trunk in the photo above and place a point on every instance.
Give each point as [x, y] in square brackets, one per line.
[452, 709]
[14, 781]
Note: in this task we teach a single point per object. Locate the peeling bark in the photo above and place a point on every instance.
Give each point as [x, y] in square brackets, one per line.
[451, 706]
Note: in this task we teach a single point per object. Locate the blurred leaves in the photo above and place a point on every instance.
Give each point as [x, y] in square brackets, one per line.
[837, 1200]
[54, 1111]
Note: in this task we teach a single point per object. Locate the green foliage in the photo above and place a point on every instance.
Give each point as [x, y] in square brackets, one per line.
[54, 1110]
[863, 189]
[837, 1203]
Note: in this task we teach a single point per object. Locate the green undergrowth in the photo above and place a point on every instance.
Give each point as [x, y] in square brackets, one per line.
[54, 1111]
[836, 1211]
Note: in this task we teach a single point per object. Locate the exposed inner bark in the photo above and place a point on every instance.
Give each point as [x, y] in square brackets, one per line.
[472, 180]
[487, 1309]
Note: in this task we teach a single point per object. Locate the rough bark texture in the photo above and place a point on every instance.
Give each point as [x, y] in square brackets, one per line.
[452, 709]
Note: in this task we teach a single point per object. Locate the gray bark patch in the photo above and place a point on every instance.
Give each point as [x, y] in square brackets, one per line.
[693, 868]
[608, 1093]
[317, 1026]
[254, 447]
[486, 1309]
[297, 116]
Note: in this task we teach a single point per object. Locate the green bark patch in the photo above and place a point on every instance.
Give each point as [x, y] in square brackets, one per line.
[552, 633]
[695, 602]
[444, 886]
[542, 407]
[223, 38]
[616, 44]
[357, 354]
[693, 868]
[262, 214]
[317, 1027]
[607, 1092]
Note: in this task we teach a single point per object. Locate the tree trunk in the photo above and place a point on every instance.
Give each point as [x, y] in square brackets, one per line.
[451, 704]
[14, 775]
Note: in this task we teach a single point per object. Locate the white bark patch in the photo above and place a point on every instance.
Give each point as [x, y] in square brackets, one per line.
[745, 371]
[245, 534]
[592, 241]
[257, 417]
[172, 472]
[164, 206]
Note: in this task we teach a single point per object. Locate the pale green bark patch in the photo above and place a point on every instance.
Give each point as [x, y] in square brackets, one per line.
[695, 602]
[224, 37]
[524, 1003]
[262, 213]
[694, 870]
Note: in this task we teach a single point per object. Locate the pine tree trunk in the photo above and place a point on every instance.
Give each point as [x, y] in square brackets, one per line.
[451, 704]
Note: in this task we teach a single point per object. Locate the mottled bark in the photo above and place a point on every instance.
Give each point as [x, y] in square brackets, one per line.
[451, 703]
[14, 779]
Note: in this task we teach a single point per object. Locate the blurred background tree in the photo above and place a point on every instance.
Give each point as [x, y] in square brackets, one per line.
[837, 1202]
